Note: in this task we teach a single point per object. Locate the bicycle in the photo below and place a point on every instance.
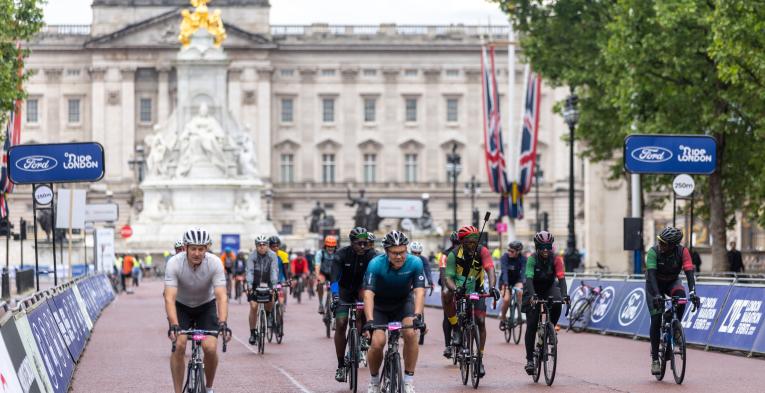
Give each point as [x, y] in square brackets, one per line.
[310, 286]
[391, 376]
[263, 295]
[239, 287]
[582, 308]
[512, 325]
[355, 351]
[297, 293]
[672, 345]
[546, 346]
[195, 372]
[276, 320]
[329, 317]
[468, 354]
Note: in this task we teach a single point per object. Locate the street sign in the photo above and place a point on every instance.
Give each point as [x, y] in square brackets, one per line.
[43, 195]
[56, 163]
[101, 212]
[670, 154]
[501, 227]
[399, 208]
[70, 202]
[683, 185]
[126, 231]
[105, 252]
[231, 240]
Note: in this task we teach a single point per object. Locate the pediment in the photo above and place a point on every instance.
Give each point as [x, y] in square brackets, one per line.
[371, 143]
[287, 144]
[329, 144]
[411, 143]
[162, 31]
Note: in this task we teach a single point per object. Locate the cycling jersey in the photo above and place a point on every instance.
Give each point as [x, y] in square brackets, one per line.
[227, 259]
[195, 285]
[391, 286]
[513, 270]
[299, 266]
[347, 272]
[282, 255]
[262, 269]
[325, 260]
[457, 265]
[542, 273]
[668, 266]
[442, 257]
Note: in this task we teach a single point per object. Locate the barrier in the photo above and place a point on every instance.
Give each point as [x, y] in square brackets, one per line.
[70, 322]
[740, 319]
[58, 362]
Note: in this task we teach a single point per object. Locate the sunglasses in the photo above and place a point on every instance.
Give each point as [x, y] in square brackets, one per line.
[545, 247]
[361, 243]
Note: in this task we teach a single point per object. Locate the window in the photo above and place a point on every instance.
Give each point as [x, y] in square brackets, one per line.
[328, 110]
[32, 111]
[287, 72]
[370, 165]
[329, 206]
[453, 73]
[370, 105]
[288, 168]
[74, 110]
[145, 110]
[452, 110]
[369, 72]
[328, 168]
[410, 168]
[287, 228]
[73, 72]
[411, 110]
[327, 72]
[287, 110]
[287, 206]
[410, 72]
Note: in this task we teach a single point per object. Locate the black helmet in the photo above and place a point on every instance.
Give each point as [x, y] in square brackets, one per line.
[274, 240]
[358, 233]
[395, 238]
[515, 245]
[670, 235]
[543, 238]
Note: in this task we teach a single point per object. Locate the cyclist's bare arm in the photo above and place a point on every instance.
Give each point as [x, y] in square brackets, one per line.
[419, 300]
[450, 283]
[369, 304]
[492, 277]
[221, 301]
[170, 294]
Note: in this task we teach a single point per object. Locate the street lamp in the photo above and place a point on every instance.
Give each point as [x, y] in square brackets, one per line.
[269, 196]
[453, 169]
[571, 116]
[473, 188]
[138, 161]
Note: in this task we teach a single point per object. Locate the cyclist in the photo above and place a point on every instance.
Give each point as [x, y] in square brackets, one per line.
[299, 267]
[240, 267]
[512, 276]
[415, 248]
[394, 291]
[262, 270]
[195, 297]
[447, 327]
[179, 247]
[284, 268]
[465, 267]
[324, 260]
[347, 277]
[227, 258]
[543, 269]
[663, 263]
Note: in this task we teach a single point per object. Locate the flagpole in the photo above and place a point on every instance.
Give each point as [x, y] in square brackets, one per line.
[512, 174]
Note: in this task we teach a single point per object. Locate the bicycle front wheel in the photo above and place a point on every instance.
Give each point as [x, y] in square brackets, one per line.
[279, 322]
[517, 321]
[663, 350]
[464, 356]
[539, 352]
[550, 353]
[475, 357]
[678, 352]
[270, 326]
[580, 316]
[353, 359]
[262, 333]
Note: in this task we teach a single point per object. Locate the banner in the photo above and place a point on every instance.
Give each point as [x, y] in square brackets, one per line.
[759, 344]
[81, 306]
[632, 310]
[30, 347]
[56, 163]
[70, 322]
[740, 320]
[576, 291]
[105, 249]
[53, 350]
[9, 382]
[698, 325]
[23, 364]
[87, 297]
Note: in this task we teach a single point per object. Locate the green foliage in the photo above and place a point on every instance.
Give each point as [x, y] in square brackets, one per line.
[20, 20]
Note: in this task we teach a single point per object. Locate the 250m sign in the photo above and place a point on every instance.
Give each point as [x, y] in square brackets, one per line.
[56, 163]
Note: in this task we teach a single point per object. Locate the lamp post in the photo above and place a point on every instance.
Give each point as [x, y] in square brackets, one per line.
[537, 174]
[571, 116]
[453, 169]
[269, 196]
[473, 188]
[138, 161]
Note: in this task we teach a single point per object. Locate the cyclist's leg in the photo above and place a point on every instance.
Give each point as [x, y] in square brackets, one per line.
[532, 316]
[253, 319]
[411, 337]
[678, 290]
[447, 327]
[375, 354]
[556, 308]
[341, 322]
[519, 292]
[320, 287]
[479, 311]
[655, 320]
[506, 294]
[207, 319]
[178, 358]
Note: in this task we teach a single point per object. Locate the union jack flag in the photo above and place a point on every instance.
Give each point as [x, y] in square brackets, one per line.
[529, 131]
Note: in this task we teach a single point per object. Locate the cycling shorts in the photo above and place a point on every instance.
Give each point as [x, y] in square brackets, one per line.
[204, 317]
[479, 307]
[670, 288]
[383, 314]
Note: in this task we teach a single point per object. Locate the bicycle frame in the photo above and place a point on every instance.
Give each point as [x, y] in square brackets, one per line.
[353, 339]
[195, 377]
[391, 360]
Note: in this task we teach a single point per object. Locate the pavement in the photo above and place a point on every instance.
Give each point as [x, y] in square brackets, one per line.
[129, 352]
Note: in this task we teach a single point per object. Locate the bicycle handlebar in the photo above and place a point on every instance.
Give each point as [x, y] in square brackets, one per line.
[192, 332]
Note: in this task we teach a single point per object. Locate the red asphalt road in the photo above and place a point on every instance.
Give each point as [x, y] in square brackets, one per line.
[129, 352]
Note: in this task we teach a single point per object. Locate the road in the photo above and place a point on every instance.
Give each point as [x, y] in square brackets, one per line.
[129, 353]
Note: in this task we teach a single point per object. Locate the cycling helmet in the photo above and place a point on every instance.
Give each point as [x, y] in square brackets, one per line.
[454, 237]
[274, 240]
[466, 231]
[358, 233]
[515, 245]
[261, 239]
[542, 238]
[670, 235]
[227, 249]
[415, 247]
[395, 238]
[197, 236]
[178, 244]
[330, 241]
[371, 237]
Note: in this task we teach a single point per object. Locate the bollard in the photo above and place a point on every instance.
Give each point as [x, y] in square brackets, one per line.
[6, 292]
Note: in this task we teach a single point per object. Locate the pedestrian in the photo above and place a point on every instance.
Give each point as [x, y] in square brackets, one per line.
[148, 265]
[696, 258]
[127, 269]
[136, 272]
[735, 263]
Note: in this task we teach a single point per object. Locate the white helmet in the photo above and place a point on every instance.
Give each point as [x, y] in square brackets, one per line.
[178, 243]
[261, 239]
[197, 236]
[415, 247]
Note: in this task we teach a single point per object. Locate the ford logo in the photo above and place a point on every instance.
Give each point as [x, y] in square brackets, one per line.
[651, 154]
[36, 163]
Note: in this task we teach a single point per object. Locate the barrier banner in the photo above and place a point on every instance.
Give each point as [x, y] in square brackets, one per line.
[759, 344]
[70, 322]
[631, 310]
[23, 365]
[107, 285]
[10, 381]
[30, 347]
[740, 319]
[81, 306]
[576, 291]
[58, 362]
[605, 306]
[698, 325]
[87, 297]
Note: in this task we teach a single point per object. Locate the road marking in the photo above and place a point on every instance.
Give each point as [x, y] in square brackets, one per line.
[294, 381]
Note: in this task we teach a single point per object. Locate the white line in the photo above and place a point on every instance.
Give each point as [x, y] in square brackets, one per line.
[294, 381]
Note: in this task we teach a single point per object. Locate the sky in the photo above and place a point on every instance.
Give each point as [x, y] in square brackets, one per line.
[359, 12]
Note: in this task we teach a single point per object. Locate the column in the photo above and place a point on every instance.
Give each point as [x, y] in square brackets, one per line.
[127, 141]
[55, 118]
[263, 129]
[97, 103]
[235, 93]
[163, 95]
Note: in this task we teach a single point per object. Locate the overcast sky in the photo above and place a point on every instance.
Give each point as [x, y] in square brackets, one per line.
[332, 11]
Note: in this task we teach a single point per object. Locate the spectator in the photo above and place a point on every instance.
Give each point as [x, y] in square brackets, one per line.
[696, 258]
[735, 263]
[127, 269]
[136, 272]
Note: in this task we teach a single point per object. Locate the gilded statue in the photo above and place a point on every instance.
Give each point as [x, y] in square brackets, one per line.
[201, 18]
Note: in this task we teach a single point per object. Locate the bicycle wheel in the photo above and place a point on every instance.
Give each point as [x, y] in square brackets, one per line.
[550, 353]
[517, 329]
[422, 334]
[201, 379]
[262, 333]
[580, 316]
[662, 356]
[508, 331]
[279, 323]
[475, 357]
[396, 376]
[455, 354]
[465, 356]
[299, 291]
[353, 359]
[270, 326]
[678, 352]
[539, 355]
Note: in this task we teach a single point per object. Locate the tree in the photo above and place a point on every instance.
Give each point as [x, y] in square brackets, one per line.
[652, 67]
[20, 20]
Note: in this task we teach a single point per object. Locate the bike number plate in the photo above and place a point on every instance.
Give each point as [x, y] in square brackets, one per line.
[474, 296]
[198, 337]
[394, 326]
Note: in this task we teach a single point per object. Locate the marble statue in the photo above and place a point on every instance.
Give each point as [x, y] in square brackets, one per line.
[202, 139]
